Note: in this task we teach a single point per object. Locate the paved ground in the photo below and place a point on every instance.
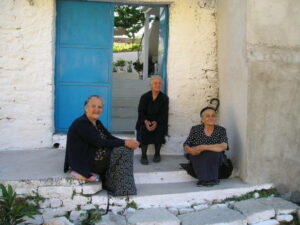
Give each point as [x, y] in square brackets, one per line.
[39, 164]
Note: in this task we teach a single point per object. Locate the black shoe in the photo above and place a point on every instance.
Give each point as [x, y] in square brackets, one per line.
[211, 183]
[156, 158]
[144, 161]
[200, 183]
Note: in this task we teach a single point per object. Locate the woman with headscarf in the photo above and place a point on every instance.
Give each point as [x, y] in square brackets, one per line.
[204, 147]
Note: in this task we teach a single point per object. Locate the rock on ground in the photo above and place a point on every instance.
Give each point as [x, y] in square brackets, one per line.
[213, 216]
[58, 221]
[157, 216]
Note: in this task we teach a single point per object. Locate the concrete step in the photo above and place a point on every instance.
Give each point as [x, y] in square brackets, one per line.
[185, 194]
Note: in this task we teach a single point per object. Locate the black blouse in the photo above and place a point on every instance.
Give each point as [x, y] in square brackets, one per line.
[83, 140]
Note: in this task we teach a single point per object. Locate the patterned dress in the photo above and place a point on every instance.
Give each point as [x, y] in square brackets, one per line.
[206, 164]
[116, 167]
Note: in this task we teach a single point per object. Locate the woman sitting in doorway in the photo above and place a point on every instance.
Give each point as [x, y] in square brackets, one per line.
[152, 123]
[204, 147]
[93, 154]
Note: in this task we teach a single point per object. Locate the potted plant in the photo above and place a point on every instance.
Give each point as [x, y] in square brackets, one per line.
[114, 69]
[138, 66]
[129, 68]
[120, 63]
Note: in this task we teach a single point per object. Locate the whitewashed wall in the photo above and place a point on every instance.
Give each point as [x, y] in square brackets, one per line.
[27, 38]
[26, 73]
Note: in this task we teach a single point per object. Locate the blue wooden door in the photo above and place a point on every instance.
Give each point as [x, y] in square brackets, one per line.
[84, 39]
[163, 44]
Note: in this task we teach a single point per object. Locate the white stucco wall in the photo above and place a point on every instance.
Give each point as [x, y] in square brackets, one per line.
[27, 40]
[26, 73]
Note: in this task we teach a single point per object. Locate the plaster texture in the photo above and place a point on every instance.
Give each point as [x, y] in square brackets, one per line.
[27, 70]
[259, 66]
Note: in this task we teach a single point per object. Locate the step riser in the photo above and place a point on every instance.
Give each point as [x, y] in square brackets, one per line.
[162, 177]
[181, 200]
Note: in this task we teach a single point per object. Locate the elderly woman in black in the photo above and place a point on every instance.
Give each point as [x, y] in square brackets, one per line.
[152, 123]
[204, 147]
[93, 154]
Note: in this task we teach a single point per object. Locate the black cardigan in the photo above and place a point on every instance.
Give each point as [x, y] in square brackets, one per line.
[83, 140]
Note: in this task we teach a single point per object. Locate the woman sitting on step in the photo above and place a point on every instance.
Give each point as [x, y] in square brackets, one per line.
[152, 123]
[93, 154]
[204, 147]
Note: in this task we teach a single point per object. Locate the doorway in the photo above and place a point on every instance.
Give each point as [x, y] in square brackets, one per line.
[85, 64]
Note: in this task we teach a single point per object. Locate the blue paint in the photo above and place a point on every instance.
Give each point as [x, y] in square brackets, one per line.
[163, 36]
[83, 59]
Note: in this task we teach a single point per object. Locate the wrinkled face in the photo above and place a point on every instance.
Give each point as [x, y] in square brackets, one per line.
[209, 117]
[93, 108]
[156, 85]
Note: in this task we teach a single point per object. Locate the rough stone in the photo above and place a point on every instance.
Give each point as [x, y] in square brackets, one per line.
[295, 197]
[58, 221]
[280, 205]
[88, 207]
[159, 216]
[78, 216]
[78, 189]
[69, 205]
[37, 219]
[116, 209]
[200, 207]
[112, 219]
[49, 213]
[254, 210]
[99, 200]
[173, 210]
[44, 204]
[91, 188]
[216, 206]
[268, 222]
[186, 210]
[284, 218]
[80, 200]
[213, 216]
[60, 192]
[55, 202]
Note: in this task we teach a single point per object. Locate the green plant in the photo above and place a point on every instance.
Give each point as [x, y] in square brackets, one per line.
[125, 47]
[93, 216]
[13, 209]
[132, 204]
[120, 63]
[129, 68]
[131, 18]
[114, 69]
[138, 66]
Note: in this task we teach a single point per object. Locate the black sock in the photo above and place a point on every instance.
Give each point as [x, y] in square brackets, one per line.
[144, 151]
[157, 149]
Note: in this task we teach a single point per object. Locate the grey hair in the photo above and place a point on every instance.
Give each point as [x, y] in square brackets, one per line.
[153, 77]
[92, 96]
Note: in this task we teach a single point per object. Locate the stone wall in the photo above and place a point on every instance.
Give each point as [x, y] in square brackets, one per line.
[27, 61]
[259, 66]
[26, 73]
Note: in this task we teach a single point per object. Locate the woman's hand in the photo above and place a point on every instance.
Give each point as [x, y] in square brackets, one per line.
[191, 150]
[150, 126]
[132, 144]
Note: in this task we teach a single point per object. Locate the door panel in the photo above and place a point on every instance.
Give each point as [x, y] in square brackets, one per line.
[84, 39]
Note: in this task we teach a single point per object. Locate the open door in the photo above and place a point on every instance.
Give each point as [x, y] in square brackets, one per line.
[84, 40]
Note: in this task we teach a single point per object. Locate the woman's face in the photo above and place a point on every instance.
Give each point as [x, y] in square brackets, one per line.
[209, 117]
[156, 85]
[94, 108]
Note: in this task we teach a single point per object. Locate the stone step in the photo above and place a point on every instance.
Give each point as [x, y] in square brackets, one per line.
[183, 195]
